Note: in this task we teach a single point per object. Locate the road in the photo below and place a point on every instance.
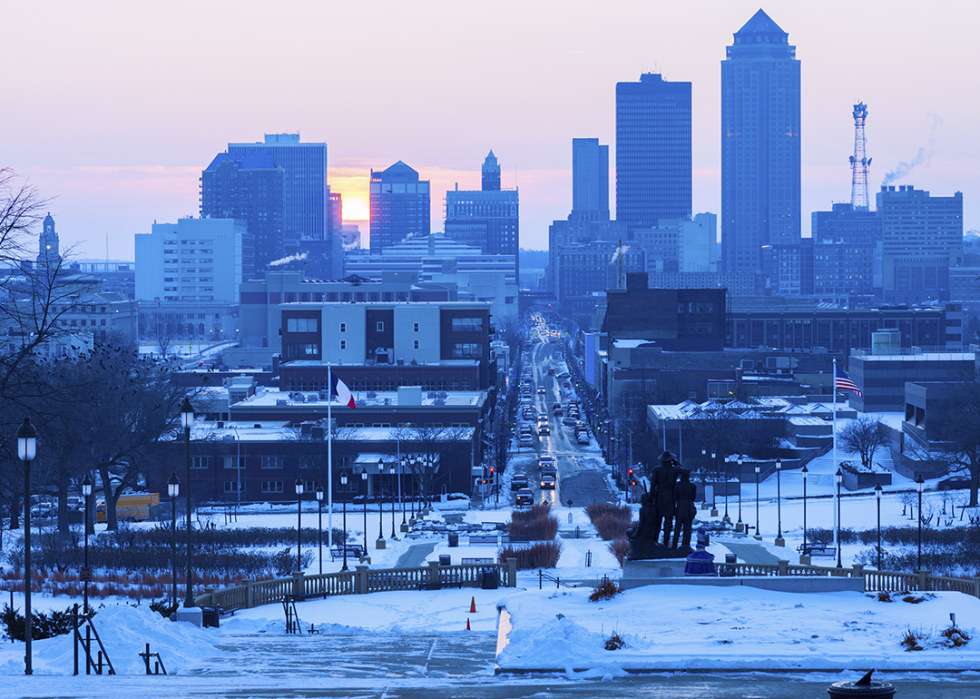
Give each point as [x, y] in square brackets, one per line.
[579, 479]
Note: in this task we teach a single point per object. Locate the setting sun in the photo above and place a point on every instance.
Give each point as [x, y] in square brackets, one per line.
[356, 206]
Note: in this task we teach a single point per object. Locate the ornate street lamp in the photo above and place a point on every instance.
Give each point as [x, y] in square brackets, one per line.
[726, 519]
[319, 523]
[392, 471]
[26, 451]
[173, 490]
[757, 534]
[804, 471]
[343, 482]
[839, 477]
[381, 506]
[186, 421]
[779, 503]
[364, 478]
[878, 498]
[739, 527]
[919, 484]
[86, 572]
[299, 522]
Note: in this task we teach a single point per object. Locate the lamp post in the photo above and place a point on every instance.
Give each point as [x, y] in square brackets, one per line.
[878, 498]
[757, 534]
[714, 494]
[919, 483]
[86, 573]
[839, 477]
[804, 470]
[26, 450]
[779, 504]
[173, 490]
[186, 420]
[364, 478]
[391, 470]
[343, 542]
[299, 523]
[381, 506]
[727, 519]
[318, 491]
[739, 527]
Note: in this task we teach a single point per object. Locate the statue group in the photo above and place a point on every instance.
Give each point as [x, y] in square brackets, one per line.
[668, 507]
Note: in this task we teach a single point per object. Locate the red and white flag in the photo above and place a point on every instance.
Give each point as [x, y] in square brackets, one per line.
[339, 388]
[843, 382]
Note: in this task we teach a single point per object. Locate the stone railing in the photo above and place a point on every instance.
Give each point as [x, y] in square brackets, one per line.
[360, 581]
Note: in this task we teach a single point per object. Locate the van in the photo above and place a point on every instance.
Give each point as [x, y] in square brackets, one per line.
[136, 507]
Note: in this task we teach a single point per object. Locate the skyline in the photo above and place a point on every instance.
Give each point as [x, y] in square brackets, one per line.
[117, 121]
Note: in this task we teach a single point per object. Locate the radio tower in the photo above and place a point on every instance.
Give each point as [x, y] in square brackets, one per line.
[859, 163]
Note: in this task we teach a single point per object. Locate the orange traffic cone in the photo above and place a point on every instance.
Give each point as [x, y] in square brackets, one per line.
[467, 623]
[473, 605]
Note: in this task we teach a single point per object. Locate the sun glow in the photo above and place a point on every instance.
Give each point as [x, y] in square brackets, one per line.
[356, 207]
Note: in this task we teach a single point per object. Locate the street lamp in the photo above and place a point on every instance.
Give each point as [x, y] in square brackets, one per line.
[726, 519]
[804, 471]
[186, 420]
[919, 483]
[364, 478]
[343, 541]
[878, 498]
[299, 523]
[391, 470]
[739, 527]
[714, 493]
[839, 477]
[26, 451]
[381, 505]
[757, 469]
[173, 490]
[319, 524]
[86, 573]
[779, 504]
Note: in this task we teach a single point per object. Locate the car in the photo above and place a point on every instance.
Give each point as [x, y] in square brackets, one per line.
[551, 372]
[547, 482]
[541, 391]
[569, 421]
[525, 496]
[953, 483]
[582, 438]
[564, 375]
[544, 428]
[518, 481]
[43, 511]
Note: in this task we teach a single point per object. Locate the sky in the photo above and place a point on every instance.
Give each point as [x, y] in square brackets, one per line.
[114, 108]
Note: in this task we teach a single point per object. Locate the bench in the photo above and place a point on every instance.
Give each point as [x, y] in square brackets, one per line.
[817, 550]
[353, 551]
[447, 578]
[485, 539]
[476, 561]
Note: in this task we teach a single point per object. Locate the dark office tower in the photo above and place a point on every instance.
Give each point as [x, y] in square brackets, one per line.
[760, 144]
[590, 180]
[653, 151]
[491, 174]
[399, 206]
[248, 187]
[304, 184]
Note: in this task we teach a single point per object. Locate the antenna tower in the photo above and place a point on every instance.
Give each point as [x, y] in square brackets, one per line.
[859, 162]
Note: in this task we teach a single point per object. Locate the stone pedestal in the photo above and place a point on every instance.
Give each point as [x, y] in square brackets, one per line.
[380, 544]
[739, 527]
[780, 541]
[714, 512]
[192, 615]
[637, 573]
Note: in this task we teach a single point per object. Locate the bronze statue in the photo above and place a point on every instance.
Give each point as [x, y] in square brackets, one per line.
[685, 510]
[664, 479]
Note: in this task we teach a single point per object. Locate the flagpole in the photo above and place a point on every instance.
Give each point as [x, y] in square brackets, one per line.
[836, 490]
[330, 458]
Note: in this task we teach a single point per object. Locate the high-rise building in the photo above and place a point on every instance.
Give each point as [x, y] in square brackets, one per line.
[590, 180]
[488, 219]
[248, 186]
[847, 251]
[49, 255]
[399, 206]
[653, 151]
[760, 144]
[922, 237]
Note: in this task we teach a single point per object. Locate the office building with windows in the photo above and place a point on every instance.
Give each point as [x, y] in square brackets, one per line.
[399, 206]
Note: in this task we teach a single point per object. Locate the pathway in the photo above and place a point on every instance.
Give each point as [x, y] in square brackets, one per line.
[415, 556]
[753, 554]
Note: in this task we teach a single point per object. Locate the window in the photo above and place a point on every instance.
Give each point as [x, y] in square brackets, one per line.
[467, 325]
[416, 326]
[301, 325]
[271, 462]
[230, 462]
[201, 462]
[416, 346]
[343, 344]
[271, 486]
[380, 326]
[343, 327]
[234, 487]
[467, 350]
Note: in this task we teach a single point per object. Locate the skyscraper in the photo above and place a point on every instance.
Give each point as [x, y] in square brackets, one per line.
[590, 180]
[760, 144]
[49, 253]
[399, 206]
[653, 151]
[491, 174]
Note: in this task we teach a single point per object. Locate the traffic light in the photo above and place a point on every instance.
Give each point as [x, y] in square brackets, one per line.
[632, 482]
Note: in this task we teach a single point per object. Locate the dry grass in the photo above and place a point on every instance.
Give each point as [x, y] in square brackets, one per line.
[910, 641]
[619, 548]
[605, 590]
[955, 638]
[615, 642]
[542, 554]
[610, 521]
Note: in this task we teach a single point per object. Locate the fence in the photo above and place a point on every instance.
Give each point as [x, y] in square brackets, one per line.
[362, 580]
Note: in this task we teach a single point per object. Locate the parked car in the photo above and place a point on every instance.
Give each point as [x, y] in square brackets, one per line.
[44, 511]
[525, 496]
[953, 483]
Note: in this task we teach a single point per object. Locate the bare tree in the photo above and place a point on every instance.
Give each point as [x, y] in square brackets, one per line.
[160, 327]
[425, 451]
[864, 437]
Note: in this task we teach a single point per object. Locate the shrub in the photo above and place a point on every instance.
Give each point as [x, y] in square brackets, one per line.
[615, 642]
[910, 641]
[605, 590]
[619, 548]
[535, 524]
[611, 526]
[284, 562]
[544, 554]
[42, 625]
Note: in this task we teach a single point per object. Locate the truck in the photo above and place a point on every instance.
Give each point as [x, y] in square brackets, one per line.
[134, 507]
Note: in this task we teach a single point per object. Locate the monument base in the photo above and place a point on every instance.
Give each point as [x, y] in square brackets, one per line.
[193, 615]
[640, 572]
[647, 550]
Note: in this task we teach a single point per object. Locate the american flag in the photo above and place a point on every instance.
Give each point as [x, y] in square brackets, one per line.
[843, 382]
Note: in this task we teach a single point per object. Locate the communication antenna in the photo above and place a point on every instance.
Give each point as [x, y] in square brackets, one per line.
[859, 162]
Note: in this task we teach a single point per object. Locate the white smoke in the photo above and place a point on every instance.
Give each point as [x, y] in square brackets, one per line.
[622, 250]
[924, 155]
[287, 260]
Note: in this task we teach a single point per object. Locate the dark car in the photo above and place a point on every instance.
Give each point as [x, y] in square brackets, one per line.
[953, 483]
[525, 496]
[518, 481]
[548, 482]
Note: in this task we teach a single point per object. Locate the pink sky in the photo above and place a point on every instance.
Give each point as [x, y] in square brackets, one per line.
[114, 108]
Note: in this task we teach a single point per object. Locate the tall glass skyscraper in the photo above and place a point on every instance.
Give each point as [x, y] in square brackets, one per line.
[653, 151]
[399, 206]
[590, 180]
[760, 144]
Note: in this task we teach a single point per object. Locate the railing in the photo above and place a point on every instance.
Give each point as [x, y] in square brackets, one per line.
[362, 580]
